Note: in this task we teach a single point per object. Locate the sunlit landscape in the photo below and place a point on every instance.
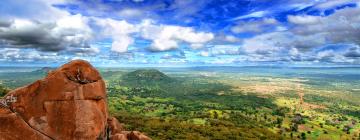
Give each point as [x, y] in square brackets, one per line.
[229, 102]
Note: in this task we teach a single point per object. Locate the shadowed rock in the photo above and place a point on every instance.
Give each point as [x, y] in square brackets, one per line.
[70, 103]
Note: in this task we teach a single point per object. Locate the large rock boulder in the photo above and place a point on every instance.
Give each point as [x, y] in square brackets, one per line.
[69, 103]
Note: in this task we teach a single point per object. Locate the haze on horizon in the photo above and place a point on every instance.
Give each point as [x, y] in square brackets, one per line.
[181, 32]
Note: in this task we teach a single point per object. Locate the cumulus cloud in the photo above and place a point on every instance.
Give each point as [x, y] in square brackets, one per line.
[43, 27]
[336, 28]
[340, 27]
[67, 32]
[119, 31]
[162, 37]
[306, 35]
[163, 45]
[167, 37]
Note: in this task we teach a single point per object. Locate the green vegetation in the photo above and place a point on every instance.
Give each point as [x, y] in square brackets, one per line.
[3, 90]
[195, 107]
[175, 128]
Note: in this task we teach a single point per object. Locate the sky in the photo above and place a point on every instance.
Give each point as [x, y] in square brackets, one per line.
[180, 32]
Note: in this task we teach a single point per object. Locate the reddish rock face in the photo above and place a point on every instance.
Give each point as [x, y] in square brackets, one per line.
[70, 103]
[12, 127]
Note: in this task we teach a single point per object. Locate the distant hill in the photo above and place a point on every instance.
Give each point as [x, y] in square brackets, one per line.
[146, 77]
[44, 70]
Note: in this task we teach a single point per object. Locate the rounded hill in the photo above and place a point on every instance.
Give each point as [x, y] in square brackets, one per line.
[146, 77]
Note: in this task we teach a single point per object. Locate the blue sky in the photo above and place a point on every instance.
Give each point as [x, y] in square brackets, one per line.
[180, 32]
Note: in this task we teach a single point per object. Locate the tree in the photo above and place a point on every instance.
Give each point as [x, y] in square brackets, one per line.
[216, 115]
[294, 127]
[303, 136]
[279, 120]
[325, 132]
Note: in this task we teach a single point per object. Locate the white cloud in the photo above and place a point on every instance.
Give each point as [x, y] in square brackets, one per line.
[307, 34]
[341, 27]
[119, 31]
[325, 54]
[131, 13]
[163, 37]
[41, 26]
[69, 31]
[331, 56]
[167, 37]
[281, 46]
[74, 22]
[224, 50]
[121, 43]
[303, 19]
[196, 45]
[20, 55]
[116, 27]
[204, 53]
[163, 44]
[269, 42]
[231, 38]
[294, 52]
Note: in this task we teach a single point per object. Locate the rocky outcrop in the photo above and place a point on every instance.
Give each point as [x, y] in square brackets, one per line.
[69, 103]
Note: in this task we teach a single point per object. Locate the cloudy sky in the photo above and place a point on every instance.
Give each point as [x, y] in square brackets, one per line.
[180, 32]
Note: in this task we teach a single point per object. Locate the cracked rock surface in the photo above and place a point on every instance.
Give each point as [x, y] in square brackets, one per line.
[69, 103]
